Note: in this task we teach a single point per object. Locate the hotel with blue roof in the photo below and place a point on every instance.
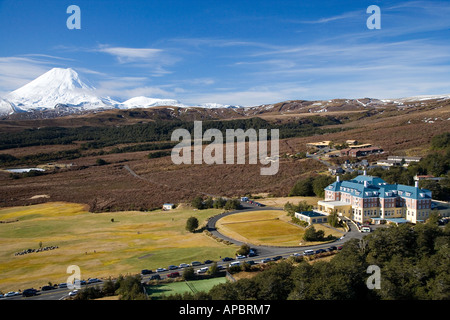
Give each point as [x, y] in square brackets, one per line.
[367, 198]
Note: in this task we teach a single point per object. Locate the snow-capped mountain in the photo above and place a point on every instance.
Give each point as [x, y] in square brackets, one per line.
[60, 88]
[6, 107]
[145, 102]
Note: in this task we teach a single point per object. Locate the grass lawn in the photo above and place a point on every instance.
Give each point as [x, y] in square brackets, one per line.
[156, 291]
[267, 227]
[281, 201]
[101, 248]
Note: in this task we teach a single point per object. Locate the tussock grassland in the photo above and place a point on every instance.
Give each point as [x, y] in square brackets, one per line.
[101, 248]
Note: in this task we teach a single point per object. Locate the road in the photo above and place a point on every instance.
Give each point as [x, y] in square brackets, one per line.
[271, 251]
[262, 253]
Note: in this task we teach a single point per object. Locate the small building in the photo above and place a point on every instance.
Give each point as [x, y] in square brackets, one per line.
[406, 160]
[168, 206]
[335, 170]
[388, 163]
[360, 146]
[311, 217]
[361, 152]
[318, 145]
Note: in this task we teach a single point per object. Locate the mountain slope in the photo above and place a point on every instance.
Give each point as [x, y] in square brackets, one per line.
[57, 87]
[6, 107]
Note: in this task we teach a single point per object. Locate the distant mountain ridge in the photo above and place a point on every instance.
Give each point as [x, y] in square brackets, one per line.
[59, 88]
[60, 92]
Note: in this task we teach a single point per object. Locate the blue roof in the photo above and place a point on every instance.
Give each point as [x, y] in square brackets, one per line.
[311, 214]
[377, 187]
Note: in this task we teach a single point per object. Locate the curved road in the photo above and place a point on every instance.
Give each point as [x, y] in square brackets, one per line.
[270, 251]
[262, 251]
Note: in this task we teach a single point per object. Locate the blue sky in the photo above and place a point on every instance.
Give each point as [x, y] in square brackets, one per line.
[231, 52]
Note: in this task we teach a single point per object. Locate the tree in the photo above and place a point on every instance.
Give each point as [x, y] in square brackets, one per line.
[189, 273]
[333, 219]
[302, 188]
[232, 204]
[131, 288]
[191, 224]
[219, 203]
[320, 183]
[197, 203]
[213, 270]
[244, 250]
[312, 235]
[209, 203]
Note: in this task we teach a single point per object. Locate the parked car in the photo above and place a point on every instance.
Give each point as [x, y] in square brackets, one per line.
[227, 259]
[146, 271]
[172, 267]
[265, 260]
[241, 257]
[47, 288]
[202, 270]
[73, 293]
[196, 263]
[29, 292]
[332, 248]
[277, 258]
[161, 269]
[208, 261]
[155, 277]
[62, 285]
[296, 254]
[308, 252]
[250, 262]
[235, 263]
[11, 294]
[339, 248]
[184, 265]
[94, 280]
[173, 275]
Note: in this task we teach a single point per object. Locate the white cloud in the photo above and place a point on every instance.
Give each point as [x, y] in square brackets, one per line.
[126, 55]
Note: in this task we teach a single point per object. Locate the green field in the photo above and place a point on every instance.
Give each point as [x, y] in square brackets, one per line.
[100, 247]
[156, 291]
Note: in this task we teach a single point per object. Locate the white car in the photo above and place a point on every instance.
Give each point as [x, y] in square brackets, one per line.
[11, 294]
[161, 269]
[202, 270]
[73, 293]
[183, 265]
